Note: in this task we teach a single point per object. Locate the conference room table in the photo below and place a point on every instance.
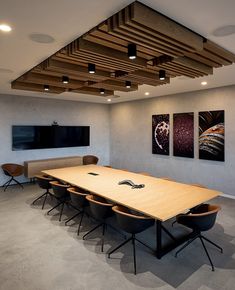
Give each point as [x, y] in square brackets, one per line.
[159, 198]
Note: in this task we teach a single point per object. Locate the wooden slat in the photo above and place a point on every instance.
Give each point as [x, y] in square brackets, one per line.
[147, 17]
[114, 85]
[195, 65]
[35, 88]
[93, 91]
[74, 69]
[51, 80]
[220, 51]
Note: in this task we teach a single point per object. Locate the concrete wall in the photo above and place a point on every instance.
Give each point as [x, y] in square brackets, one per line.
[131, 143]
[17, 110]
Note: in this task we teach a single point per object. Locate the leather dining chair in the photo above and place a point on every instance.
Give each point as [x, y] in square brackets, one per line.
[61, 194]
[90, 159]
[132, 224]
[12, 170]
[100, 211]
[201, 219]
[79, 202]
[44, 182]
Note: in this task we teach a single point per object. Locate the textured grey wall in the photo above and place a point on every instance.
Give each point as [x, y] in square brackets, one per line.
[17, 110]
[131, 143]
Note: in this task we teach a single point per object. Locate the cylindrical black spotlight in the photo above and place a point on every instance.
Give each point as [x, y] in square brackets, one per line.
[162, 75]
[46, 88]
[91, 68]
[128, 84]
[102, 91]
[65, 79]
[131, 51]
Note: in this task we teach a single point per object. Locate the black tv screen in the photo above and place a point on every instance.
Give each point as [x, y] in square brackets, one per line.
[42, 137]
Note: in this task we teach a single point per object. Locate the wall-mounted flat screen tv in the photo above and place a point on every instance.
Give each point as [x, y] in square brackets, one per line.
[45, 137]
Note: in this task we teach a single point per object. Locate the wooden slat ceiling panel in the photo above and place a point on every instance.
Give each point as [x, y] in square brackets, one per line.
[161, 44]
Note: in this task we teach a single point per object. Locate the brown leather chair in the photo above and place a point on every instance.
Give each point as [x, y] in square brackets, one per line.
[132, 224]
[12, 170]
[100, 211]
[44, 182]
[201, 219]
[90, 159]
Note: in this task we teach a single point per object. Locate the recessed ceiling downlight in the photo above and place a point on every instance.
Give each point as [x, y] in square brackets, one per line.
[5, 28]
[41, 38]
[204, 83]
[224, 31]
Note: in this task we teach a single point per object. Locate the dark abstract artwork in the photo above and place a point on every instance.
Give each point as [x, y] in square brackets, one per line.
[183, 135]
[160, 134]
[211, 135]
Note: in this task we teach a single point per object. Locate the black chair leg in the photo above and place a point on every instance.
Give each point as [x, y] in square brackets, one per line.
[119, 246]
[92, 230]
[82, 215]
[77, 214]
[39, 198]
[102, 242]
[6, 182]
[61, 211]
[147, 246]
[16, 181]
[44, 201]
[58, 204]
[185, 245]
[134, 254]
[209, 241]
[212, 266]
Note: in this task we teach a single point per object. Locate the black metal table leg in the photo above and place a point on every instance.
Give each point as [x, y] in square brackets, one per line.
[159, 239]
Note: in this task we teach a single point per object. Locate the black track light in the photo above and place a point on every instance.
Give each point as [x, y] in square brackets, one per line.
[128, 84]
[132, 51]
[162, 75]
[102, 91]
[91, 68]
[65, 79]
[46, 88]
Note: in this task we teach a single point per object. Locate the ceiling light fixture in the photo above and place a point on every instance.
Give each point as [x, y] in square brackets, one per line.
[102, 91]
[204, 83]
[46, 88]
[146, 93]
[128, 84]
[5, 28]
[109, 100]
[132, 51]
[162, 75]
[91, 68]
[65, 79]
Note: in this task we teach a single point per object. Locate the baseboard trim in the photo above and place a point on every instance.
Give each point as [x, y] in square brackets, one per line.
[228, 195]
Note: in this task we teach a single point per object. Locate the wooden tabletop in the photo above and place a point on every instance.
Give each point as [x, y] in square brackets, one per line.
[160, 199]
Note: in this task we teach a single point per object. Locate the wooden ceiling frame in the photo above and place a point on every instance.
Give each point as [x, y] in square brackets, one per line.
[162, 44]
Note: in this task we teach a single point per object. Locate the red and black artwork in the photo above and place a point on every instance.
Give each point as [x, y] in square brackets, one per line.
[160, 134]
[183, 135]
[211, 135]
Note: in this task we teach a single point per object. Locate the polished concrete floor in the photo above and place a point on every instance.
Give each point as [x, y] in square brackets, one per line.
[37, 252]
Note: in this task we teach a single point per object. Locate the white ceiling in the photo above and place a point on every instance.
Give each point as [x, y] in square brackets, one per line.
[66, 20]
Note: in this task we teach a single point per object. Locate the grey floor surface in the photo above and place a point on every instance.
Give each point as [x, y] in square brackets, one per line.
[38, 252]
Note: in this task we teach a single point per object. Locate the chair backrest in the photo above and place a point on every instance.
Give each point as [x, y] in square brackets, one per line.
[60, 190]
[131, 222]
[43, 181]
[202, 217]
[78, 198]
[100, 208]
[90, 159]
[12, 169]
